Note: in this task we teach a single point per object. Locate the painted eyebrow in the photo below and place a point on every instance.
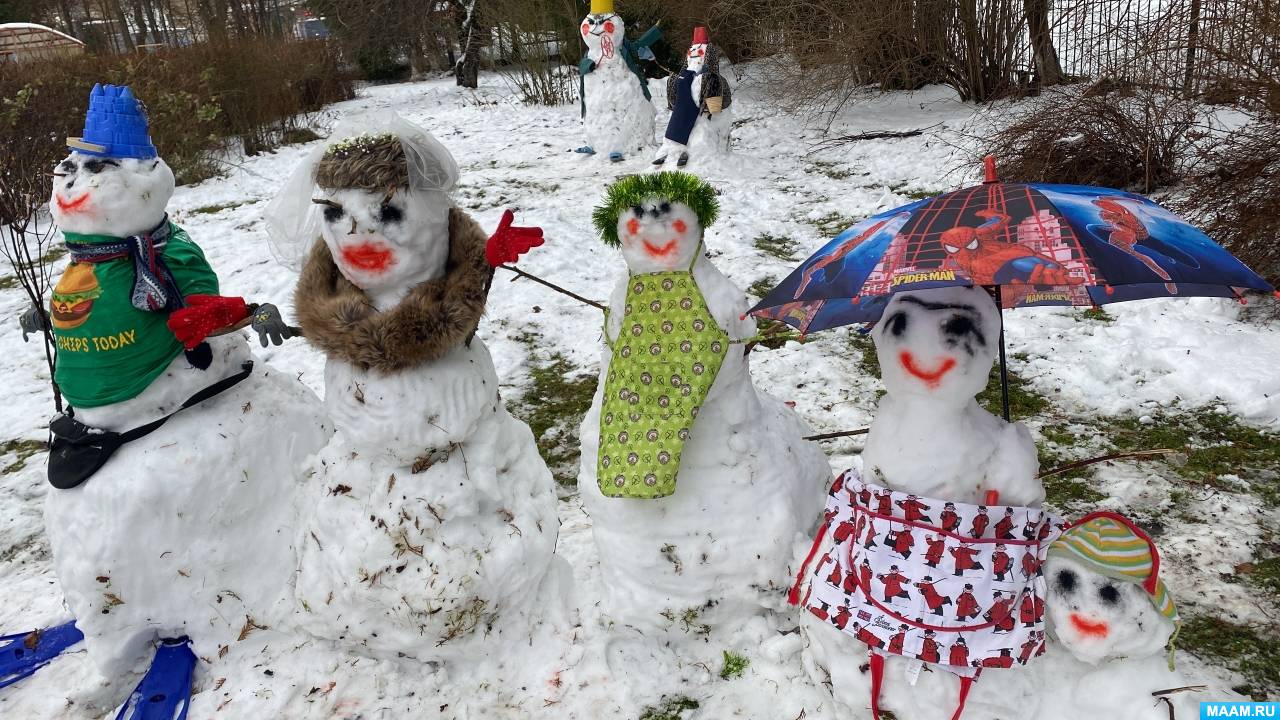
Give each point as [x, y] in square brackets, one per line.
[940, 306]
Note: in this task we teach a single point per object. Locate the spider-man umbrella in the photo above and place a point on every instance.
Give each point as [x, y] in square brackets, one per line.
[1032, 244]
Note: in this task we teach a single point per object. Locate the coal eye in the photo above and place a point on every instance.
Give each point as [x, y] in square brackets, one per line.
[638, 210]
[67, 166]
[333, 214]
[1067, 581]
[898, 324]
[1109, 594]
[664, 208]
[94, 166]
[390, 214]
[958, 325]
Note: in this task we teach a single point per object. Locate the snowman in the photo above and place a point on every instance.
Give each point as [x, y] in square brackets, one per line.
[974, 596]
[698, 485]
[428, 523]
[699, 99]
[185, 530]
[617, 109]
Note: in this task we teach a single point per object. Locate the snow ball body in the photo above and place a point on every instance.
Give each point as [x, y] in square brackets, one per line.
[619, 117]
[186, 531]
[710, 136]
[930, 437]
[428, 524]
[749, 489]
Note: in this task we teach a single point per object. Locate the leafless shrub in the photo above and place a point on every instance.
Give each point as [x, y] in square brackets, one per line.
[535, 45]
[1110, 135]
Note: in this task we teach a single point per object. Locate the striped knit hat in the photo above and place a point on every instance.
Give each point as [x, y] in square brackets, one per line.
[1112, 545]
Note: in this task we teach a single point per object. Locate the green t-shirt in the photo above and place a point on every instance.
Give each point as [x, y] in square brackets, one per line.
[109, 350]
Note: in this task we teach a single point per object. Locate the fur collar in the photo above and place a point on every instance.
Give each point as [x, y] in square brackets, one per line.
[435, 317]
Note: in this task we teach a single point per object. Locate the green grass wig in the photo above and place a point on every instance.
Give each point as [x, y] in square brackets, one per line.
[671, 186]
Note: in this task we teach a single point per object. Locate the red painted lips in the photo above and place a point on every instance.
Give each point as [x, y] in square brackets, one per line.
[1088, 627]
[369, 257]
[930, 377]
[71, 206]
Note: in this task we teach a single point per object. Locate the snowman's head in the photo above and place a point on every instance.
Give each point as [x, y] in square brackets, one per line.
[120, 197]
[384, 230]
[938, 345]
[603, 32]
[697, 57]
[657, 220]
[1104, 598]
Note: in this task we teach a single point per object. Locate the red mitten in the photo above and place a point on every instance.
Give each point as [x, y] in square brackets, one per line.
[203, 315]
[508, 243]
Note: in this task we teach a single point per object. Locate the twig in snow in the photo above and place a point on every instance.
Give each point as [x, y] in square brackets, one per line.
[551, 285]
[872, 135]
[1104, 458]
[834, 435]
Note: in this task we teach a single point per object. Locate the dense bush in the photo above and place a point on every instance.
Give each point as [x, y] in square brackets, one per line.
[200, 100]
[1123, 137]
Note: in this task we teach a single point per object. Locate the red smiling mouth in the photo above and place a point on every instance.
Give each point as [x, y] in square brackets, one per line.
[371, 257]
[663, 251]
[930, 377]
[1087, 627]
[71, 206]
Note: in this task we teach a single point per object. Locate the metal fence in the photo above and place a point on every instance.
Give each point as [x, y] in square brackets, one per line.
[1191, 45]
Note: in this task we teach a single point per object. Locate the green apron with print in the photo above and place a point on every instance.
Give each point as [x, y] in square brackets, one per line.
[667, 354]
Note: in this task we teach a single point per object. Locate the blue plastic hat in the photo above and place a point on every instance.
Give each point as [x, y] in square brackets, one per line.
[115, 126]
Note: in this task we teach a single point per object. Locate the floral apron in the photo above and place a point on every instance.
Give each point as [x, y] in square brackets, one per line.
[665, 359]
[955, 585]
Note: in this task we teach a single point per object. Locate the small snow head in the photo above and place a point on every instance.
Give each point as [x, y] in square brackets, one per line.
[384, 207]
[657, 219]
[938, 344]
[1105, 598]
[603, 31]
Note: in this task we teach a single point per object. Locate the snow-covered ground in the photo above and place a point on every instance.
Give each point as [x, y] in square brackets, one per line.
[1174, 353]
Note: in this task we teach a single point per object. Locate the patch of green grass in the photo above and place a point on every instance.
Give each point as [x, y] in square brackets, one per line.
[672, 708]
[1096, 314]
[688, 619]
[734, 665]
[558, 396]
[8, 282]
[297, 136]
[913, 194]
[1266, 575]
[1069, 489]
[869, 364]
[831, 169]
[211, 209]
[1252, 653]
[781, 247]
[762, 286]
[54, 253]
[1216, 444]
[1023, 401]
[832, 224]
[23, 449]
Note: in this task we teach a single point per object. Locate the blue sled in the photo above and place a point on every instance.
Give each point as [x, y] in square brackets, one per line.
[165, 691]
[24, 653]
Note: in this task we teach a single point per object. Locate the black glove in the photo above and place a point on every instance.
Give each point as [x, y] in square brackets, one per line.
[33, 322]
[270, 326]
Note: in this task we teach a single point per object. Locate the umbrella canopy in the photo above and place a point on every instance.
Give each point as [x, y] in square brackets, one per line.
[1036, 244]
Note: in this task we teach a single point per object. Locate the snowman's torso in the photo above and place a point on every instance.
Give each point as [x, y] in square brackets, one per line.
[619, 117]
[747, 490]
[429, 522]
[188, 530]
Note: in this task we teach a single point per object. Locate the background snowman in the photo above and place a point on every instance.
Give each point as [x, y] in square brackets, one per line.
[617, 110]
[699, 98]
[428, 524]
[699, 487]
[185, 530]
